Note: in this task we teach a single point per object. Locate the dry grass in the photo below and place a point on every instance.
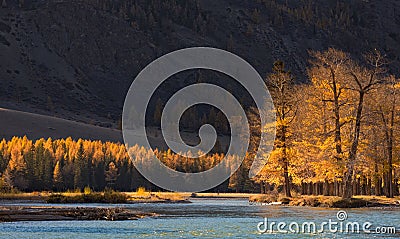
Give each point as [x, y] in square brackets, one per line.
[184, 196]
[263, 198]
[145, 196]
[139, 195]
[224, 195]
[24, 196]
[338, 202]
[314, 201]
[171, 196]
[156, 196]
[71, 194]
[380, 199]
[328, 201]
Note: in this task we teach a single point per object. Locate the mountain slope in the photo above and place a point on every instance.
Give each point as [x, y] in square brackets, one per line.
[35, 126]
[76, 59]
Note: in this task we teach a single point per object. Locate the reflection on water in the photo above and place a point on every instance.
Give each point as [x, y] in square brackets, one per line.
[202, 218]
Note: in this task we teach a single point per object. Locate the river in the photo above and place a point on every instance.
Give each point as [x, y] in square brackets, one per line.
[217, 218]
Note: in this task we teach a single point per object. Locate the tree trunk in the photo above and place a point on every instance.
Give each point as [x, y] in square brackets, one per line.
[378, 187]
[262, 188]
[267, 188]
[326, 188]
[336, 188]
[331, 189]
[389, 146]
[355, 186]
[336, 109]
[376, 179]
[363, 186]
[285, 162]
[348, 192]
[315, 189]
[369, 186]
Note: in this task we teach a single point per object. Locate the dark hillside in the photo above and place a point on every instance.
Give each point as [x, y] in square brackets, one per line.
[76, 59]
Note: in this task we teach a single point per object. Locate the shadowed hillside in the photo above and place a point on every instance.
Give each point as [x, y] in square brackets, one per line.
[76, 59]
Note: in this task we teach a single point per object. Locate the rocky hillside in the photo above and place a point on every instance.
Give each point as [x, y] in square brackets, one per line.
[76, 59]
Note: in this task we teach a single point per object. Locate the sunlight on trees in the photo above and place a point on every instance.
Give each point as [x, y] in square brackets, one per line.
[336, 135]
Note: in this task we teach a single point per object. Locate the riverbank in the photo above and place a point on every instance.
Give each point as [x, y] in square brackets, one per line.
[172, 197]
[327, 201]
[128, 197]
[44, 213]
[110, 197]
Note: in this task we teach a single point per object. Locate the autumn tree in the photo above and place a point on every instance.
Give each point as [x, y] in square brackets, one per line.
[386, 111]
[57, 176]
[328, 75]
[16, 171]
[280, 85]
[326, 115]
[362, 81]
[79, 167]
[314, 145]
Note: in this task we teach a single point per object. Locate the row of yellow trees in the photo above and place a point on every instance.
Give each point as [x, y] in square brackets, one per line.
[338, 134]
[66, 164]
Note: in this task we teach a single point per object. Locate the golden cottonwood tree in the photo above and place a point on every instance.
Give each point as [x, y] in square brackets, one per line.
[280, 85]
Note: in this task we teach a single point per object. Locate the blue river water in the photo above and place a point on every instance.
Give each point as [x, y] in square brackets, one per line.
[218, 218]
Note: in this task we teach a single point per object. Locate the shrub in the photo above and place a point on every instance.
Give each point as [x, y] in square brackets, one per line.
[87, 190]
[106, 197]
[56, 198]
[115, 197]
[141, 191]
